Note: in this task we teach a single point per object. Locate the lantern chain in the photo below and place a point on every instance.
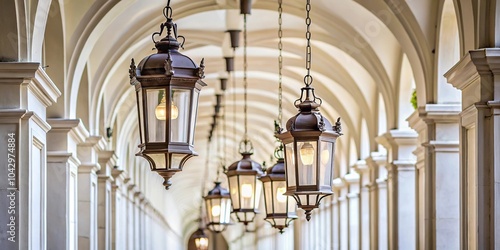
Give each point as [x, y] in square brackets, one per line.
[280, 64]
[233, 76]
[308, 79]
[245, 66]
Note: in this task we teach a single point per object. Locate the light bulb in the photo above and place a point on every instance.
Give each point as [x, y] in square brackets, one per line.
[246, 190]
[216, 211]
[280, 194]
[161, 110]
[307, 154]
[325, 156]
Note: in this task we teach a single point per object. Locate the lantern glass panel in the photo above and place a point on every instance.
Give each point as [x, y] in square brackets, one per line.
[140, 106]
[268, 195]
[292, 205]
[247, 191]
[225, 210]
[215, 210]
[234, 191]
[159, 160]
[179, 115]
[194, 115]
[176, 161]
[307, 162]
[290, 164]
[156, 117]
[325, 165]
[281, 199]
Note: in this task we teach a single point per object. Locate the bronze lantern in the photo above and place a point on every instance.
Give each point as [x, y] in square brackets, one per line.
[309, 153]
[200, 239]
[245, 189]
[218, 205]
[280, 209]
[167, 87]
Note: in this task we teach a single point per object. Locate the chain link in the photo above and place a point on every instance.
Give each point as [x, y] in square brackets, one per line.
[308, 78]
[280, 62]
[233, 76]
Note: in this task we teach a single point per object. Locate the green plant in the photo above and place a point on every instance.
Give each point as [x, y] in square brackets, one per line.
[413, 99]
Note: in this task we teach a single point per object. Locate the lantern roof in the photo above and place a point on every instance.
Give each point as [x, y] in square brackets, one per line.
[309, 117]
[246, 164]
[168, 60]
[218, 190]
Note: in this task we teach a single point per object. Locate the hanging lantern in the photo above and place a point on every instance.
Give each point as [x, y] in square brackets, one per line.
[309, 152]
[244, 188]
[200, 239]
[280, 209]
[218, 204]
[309, 144]
[167, 88]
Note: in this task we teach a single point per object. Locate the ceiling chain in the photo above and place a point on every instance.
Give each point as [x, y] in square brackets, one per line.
[308, 79]
[280, 63]
[245, 66]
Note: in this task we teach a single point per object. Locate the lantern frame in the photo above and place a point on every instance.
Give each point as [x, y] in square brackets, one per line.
[171, 78]
[240, 174]
[200, 239]
[279, 217]
[222, 199]
[309, 126]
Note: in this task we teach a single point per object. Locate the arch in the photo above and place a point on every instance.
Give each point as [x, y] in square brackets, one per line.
[54, 62]
[448, 54]
[405, 90]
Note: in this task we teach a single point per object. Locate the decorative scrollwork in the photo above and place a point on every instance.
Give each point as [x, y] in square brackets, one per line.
[132, 73]
[338, 127]
[169, 70]
[200, 72]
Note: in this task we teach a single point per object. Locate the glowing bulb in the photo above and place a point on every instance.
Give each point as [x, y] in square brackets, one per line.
[216, 211]
[325, 156]
[161, 110]
[246, 190]
[307, 154]
[201, 243]
[280, 194]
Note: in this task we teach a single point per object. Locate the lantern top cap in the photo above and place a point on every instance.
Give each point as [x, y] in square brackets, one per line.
[218, 190]
[309, 118]
[246, 164]
[278, 168]
[168, 60]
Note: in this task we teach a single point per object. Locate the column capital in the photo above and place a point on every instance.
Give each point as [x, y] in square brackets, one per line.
[361, 166]
[37, 80]
[397, 137]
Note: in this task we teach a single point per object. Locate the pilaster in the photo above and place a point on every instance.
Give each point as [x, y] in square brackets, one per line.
[361, 167]
[438, 175]
[88, 194]
[62, 195]
[377, 186]
[352, 180]
[107, 160]
[401, 186]
[26, 92]
[117, 206]
[477, 75]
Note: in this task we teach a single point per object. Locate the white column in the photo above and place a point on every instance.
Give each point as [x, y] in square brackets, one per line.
[438, 175]
[477, 76]
[87, 194]
[401, 187]
[117, 206]
[364, 204]
[376, 163]
[337, 185]
[344, 219]
[62, 195]
[107, 161]
[25, 93]
[352, 180]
